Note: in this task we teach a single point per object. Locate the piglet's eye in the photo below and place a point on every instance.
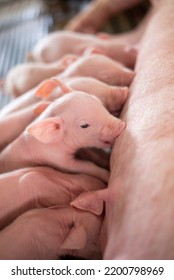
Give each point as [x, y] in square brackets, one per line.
[84, 125]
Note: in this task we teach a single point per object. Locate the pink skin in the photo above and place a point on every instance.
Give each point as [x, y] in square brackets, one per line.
[142, 208]
[24, 77]
[112, 97]
[93, 201]
[12, 125]
[51, 195]
[32, 74]
[99, 67]
[17, 118]
[144, 154]
[68, 42]
[50, 233]
[21, 102]
[52, 138]
[87, 22]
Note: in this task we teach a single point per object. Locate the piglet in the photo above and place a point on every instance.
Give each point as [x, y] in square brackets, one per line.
[50, 233]
[24, 77]
[76, 120]
[113, 97]
[52, 187]
[22, 203]
[99, 67]
[67, 42]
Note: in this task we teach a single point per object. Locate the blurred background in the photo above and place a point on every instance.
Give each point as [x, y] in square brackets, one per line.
[24, 22]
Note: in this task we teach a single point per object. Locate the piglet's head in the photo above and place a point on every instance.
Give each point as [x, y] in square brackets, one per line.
[79, 120]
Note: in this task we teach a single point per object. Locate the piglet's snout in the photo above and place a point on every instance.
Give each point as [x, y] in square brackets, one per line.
[112, 130]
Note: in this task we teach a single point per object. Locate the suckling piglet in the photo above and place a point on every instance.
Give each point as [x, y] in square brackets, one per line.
[50, 233]
[113, 97]
[76, 120]
[24, 77]
[100, 67]
[67, 42]
[52, 187]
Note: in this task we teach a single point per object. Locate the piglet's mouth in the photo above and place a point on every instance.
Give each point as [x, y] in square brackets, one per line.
[108, 143]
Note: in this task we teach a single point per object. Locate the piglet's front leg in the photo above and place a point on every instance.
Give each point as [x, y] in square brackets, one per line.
[89, 168]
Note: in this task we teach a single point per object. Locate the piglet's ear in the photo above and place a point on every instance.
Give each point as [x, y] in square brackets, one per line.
[92, 201]
[76, 239]
[46, 89]
[47, 131]
[62, 85]
[40, 108]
